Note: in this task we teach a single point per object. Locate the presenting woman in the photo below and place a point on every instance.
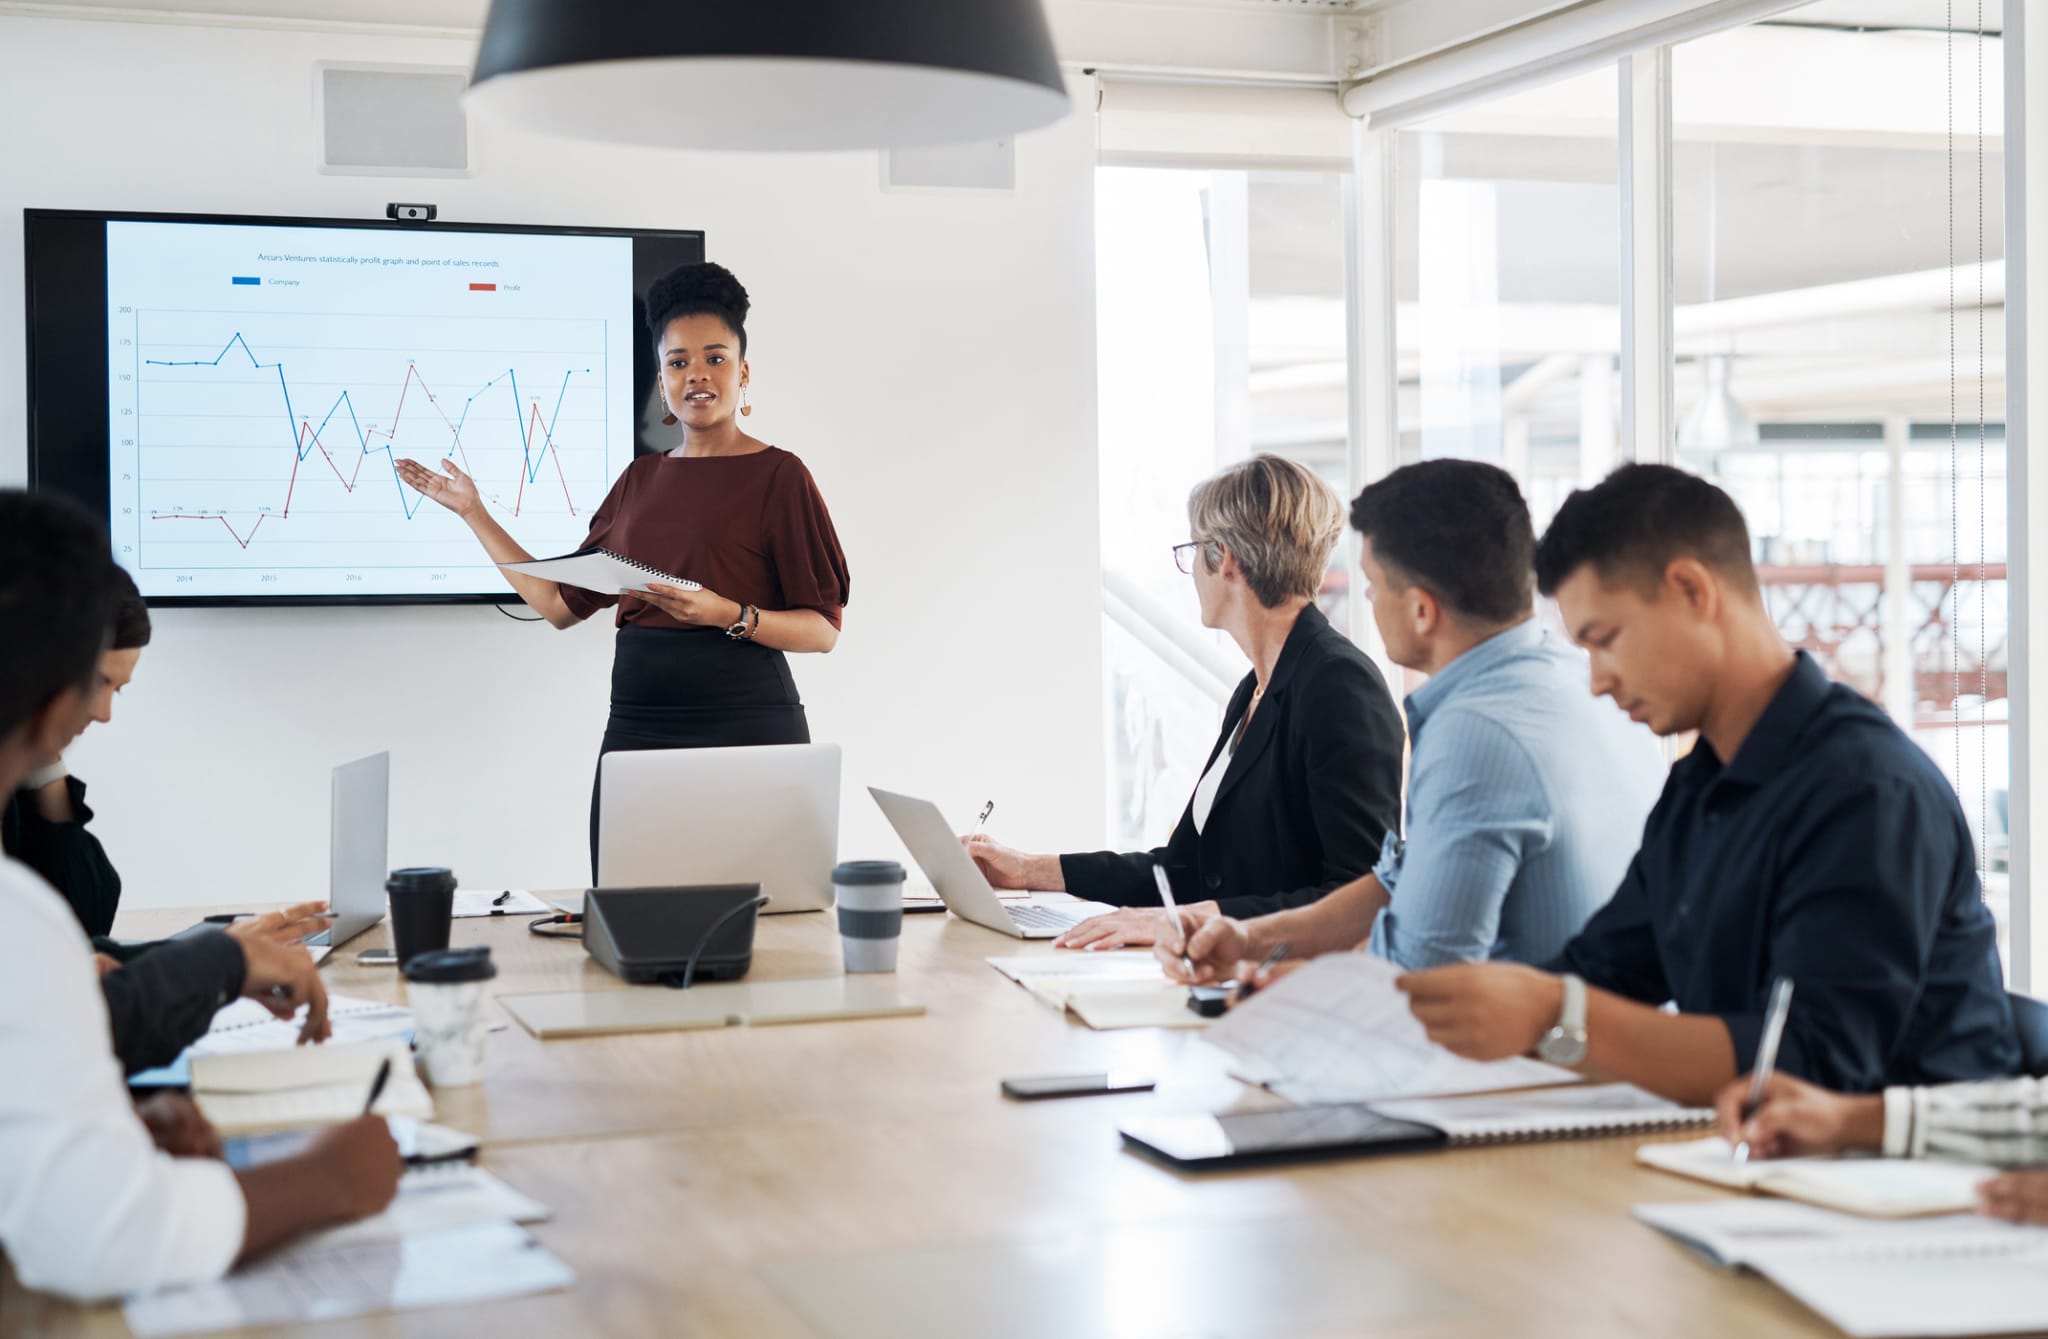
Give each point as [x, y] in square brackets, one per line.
[1305, 779]
[695, 668]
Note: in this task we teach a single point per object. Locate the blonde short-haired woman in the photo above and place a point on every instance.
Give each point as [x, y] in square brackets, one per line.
[1305, 778]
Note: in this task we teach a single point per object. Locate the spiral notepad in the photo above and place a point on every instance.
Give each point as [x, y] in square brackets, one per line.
[599, 570]
[1576, 1112]
[1876, 1278]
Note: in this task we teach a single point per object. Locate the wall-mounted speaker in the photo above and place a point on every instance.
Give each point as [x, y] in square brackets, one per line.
[390, 120]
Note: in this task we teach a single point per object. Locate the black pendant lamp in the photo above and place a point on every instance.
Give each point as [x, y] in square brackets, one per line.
[769, 74]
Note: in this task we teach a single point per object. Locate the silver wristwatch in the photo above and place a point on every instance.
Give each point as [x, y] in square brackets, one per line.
[1565, 1044]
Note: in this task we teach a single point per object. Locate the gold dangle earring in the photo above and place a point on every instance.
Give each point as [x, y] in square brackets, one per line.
[746, 410]
[668, 416]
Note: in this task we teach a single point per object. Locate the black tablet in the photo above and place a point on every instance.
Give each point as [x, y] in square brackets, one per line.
[1205, 1143]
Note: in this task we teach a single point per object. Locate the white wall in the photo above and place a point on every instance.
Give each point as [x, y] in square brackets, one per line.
[931, 357]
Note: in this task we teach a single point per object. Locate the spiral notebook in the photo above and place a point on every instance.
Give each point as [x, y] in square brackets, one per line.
[598, 570]
[1575, 1112]
[1875, 1187]
[1876, 1278]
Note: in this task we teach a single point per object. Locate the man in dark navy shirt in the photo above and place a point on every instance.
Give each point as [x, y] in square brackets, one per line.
[1805, 836]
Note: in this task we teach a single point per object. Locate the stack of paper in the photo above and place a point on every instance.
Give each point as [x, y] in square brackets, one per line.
[1338, 1031]
[1878, 1187]
[1877, 1278]
[1104, 990]
[248, 1091]
[356, 1275]
[246, 1025]
[497, 902]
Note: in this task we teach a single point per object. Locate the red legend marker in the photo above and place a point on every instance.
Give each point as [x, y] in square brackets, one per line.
[483, 288]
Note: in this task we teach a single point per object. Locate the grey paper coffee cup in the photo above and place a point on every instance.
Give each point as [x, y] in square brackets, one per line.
[870, 898]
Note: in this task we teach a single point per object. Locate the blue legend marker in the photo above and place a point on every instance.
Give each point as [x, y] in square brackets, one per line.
[245, 279]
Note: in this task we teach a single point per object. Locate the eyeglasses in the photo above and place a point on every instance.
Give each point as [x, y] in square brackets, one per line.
[1184, 555]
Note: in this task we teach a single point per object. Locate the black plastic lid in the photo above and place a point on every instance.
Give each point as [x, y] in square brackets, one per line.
[420, 880]
[859, 873]
[451, 965]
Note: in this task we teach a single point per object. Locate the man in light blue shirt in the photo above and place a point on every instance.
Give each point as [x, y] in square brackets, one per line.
[1526, 794]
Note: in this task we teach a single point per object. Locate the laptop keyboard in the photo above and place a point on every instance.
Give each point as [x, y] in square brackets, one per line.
[1041, 918]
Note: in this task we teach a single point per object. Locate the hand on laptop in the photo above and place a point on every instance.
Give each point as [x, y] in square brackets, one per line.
[289, 926]
[1798, 1119]
[1006, 867]
[179, 1127]
[281, 977]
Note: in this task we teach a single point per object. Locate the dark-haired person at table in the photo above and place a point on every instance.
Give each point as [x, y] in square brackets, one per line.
[90, 1205]
[2001, 1122]
[1805, 836]
[43, 823]
[695, 668]
[161, 997]
[1526, 796]
[1304, 781]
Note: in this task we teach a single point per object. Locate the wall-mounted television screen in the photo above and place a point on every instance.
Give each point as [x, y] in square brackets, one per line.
[233, 393]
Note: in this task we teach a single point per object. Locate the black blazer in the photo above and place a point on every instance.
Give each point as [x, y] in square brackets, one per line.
[1312, 791]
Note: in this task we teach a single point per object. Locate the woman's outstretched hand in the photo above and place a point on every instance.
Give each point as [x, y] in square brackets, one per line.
[451, 488]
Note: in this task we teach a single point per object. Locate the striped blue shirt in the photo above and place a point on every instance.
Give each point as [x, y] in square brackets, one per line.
[1526, 800]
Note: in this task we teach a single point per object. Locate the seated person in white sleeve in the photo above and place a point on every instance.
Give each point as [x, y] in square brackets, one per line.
[90, 1205]
[2003, 1122]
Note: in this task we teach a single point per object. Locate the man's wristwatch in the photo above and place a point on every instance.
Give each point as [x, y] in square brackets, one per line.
[1565, 1044]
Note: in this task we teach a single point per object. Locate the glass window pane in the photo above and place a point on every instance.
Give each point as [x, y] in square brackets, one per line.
[1220, 333]
[1822, 231]
[1507, 280]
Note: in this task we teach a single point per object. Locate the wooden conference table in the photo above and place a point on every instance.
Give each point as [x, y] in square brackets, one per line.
[866, 1178]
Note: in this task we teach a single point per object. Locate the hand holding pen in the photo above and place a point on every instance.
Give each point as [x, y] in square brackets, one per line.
[1766, 1058]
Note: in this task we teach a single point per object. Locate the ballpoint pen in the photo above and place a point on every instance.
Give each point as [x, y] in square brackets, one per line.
[502, 898]
[981, 818]
[377, 1085]
[1766, 1057]
[1173, 915]
[1250, 986]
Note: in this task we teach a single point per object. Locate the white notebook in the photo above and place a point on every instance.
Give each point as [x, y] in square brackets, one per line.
[1876, 1187]
[246, 1092]
[1107, 991]
[1877, 1278]
[1576, 1111]
[598, 570]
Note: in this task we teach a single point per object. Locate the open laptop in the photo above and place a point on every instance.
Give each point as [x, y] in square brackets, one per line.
[688, 817]
[959, 881]
[358, 847]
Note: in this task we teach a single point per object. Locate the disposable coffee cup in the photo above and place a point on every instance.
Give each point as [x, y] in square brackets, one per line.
[422, 905]
[870, 898]
[446, 989]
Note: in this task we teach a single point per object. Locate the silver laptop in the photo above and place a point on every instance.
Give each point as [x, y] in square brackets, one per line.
[959, 881]
[358, 836]
[766, 815]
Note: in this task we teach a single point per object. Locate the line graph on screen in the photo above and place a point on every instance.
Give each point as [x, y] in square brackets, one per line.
[271, 439]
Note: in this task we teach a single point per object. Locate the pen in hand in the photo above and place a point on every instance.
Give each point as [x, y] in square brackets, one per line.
[981, 818]
[1766, 1058]
[1173, 916]
[377, 1085]
[1250, 985]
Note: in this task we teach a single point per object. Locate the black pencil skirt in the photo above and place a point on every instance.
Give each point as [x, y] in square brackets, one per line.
[695, 689]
